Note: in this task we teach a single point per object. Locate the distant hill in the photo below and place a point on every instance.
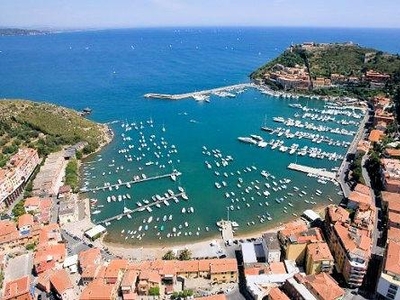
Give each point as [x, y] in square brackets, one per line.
[46, 127]
[18, 31]
[311, 66]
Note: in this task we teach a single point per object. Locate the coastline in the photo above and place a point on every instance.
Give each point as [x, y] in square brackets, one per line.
[199, 249]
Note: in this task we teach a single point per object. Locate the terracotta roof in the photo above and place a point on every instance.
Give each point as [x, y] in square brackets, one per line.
[25, 220]
[392, 263]
[393, 234]
[363, 201]
[392, 200]
[32, 201]
[394, 217]
[277, 268]
[61, 281]
[16, 288]
[97, 290]
[129, 278]
[319, 251]
[129, 296]
[276, 294]
[375, 135]
[89, 257]
[43, 280]
[324, 286]
[50, 253]
[353, 241]
[91, 271]
[7, 227]
[49, 234]
[223, 265]
[150, 276]
[187, 266]
[293, 227]
[362, 189]
[337, 213]
[114, 267]
[392, 152]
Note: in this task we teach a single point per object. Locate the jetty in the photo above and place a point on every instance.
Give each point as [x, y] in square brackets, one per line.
[227, 231]
[229, 88]
[311, 170]
[141, 208]
[104, 187]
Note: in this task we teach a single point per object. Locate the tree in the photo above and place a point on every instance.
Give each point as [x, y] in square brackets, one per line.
[154, 291]
[186, 254]
[169, 255]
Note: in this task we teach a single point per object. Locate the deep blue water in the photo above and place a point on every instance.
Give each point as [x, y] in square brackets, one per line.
[111, 70]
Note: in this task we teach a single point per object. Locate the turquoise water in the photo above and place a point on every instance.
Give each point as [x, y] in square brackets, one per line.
[110, 71]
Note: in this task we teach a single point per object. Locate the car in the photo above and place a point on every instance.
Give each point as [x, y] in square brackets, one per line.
[90, 245]
[39, 297]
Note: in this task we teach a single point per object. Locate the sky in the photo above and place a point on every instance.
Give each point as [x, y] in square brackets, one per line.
[98, 14]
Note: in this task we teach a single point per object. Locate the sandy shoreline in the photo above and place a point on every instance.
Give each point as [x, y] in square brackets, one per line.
[203, 248]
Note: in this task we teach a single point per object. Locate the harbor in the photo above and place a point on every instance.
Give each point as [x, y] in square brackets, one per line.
[314, 171]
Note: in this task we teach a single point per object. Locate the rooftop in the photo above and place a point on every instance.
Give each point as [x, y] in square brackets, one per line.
[276, 294]
[392, 200]
[15, 288]
[319, 251]
[392, 263]
[324, 286]
[375, 135]
[61, 281]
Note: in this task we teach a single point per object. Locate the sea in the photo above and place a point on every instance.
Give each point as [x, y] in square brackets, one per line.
[110, 71]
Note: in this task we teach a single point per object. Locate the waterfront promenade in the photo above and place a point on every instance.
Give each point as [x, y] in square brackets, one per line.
[311, 170]
[229, 88]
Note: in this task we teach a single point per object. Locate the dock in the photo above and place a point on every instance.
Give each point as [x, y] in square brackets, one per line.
[171, 175]
[227, 231]
[311, 170]
[200, 93]
[141, 208]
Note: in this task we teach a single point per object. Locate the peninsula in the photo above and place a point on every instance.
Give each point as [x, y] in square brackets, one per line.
[334, 69]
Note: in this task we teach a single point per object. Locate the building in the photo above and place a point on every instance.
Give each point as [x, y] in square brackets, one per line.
[128, 284]
[15, 174]
[62, 286]
[271, 246]
[25, 223]
[375, 135]
[148, 279]
[17, 289]
[360, 198]
[391, 174]
[318, 258]
[50, 176]
[97, 290]
[95, 232]
[295, 238]
[323, 287]
[295, 288]
[115, 270]
[248, 253]
[389, 280]
[223, 271]
[68, 211]
[351, 249]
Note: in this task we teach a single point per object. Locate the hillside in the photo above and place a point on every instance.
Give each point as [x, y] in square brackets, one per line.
[311, 66]
[46, 127]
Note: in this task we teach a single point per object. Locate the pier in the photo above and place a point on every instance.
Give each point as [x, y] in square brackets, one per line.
[171, 175]
[200, 93]
[141, 208]
[311, 170]
[227, 231]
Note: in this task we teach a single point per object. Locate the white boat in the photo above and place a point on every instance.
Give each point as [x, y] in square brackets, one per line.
[184, 196]
[183, 210]
[96, 212]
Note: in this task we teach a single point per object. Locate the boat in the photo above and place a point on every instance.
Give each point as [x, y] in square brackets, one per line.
[183, 210]
[184, 196]
[96, 212]
[247, 140]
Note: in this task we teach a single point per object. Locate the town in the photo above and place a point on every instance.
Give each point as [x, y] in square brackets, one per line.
[354, 248]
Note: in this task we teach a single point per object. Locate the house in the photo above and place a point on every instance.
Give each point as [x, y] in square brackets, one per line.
[391, 174]
[115, 270]
[324, 287]
[376, 135]
[148, 279]
[319, 258]
[223, 271]
[295, 238]
[97, 290]
[128, 284]
[48, 257]
[389, 280]
[276, 294]
[18, 289]
[62, 286]
[32, 204]
[25, 223]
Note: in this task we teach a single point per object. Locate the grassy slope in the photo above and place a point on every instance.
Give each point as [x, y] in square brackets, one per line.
[346, 60]
[44, 126]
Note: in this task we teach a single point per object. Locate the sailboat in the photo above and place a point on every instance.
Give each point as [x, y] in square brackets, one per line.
[264, 126]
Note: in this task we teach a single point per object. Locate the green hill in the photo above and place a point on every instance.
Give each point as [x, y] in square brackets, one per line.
[324, 60]
[46, 127]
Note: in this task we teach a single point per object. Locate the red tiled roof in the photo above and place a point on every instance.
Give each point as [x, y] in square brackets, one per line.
[16, 289]
[392, 263]
[61, 281]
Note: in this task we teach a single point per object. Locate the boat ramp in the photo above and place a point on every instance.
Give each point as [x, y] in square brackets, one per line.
[229, 88]
[311, 170]
[172, 175]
